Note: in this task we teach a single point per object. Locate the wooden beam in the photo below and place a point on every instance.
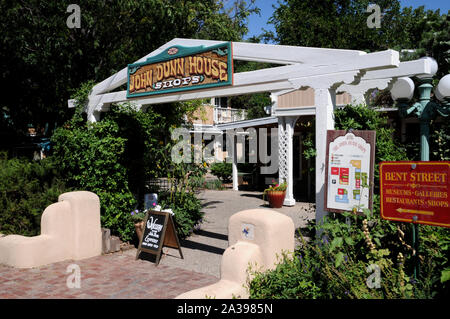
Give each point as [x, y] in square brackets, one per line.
[241, 51]
[409, 68]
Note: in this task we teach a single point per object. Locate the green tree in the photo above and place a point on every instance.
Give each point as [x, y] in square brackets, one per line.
[342, 24]
[42, 60]
[435, 41]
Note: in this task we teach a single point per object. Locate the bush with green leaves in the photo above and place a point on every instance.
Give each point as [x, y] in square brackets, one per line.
[181, 196]
[92, 157]
[26, 189]
[187, 210]
[340, 264]
[119, 155]
[360, 117]
[440, 141]
[112, 158]
[222, 170]
[214, 184]
[336, 265]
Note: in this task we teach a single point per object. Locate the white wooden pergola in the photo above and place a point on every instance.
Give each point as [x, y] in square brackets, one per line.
[327, 71]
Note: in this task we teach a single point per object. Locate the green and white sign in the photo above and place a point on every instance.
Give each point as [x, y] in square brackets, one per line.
[181, 68]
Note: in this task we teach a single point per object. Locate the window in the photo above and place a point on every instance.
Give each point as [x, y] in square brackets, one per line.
[220, 101]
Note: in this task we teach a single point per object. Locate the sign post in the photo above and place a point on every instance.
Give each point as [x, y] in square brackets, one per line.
[349, 170]
[159, 231]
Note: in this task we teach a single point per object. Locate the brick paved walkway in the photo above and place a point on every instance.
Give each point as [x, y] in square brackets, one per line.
[119, 275]
[116, 276]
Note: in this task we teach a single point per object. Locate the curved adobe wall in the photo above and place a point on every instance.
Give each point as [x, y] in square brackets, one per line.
[257, 239]
[70, 229]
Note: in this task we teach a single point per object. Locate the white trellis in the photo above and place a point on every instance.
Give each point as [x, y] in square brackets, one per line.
[327, 71]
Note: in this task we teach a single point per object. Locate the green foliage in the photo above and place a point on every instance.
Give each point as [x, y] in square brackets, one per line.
[187, 210]
[253, 103]
[440, 142]
[337, 265]
[43, 59]
[138, 215]
[222, 170]
[26, 189]
[291, 279]
[91, 159]
[112, 158]
[435, 41]
[183, 179]
[276, 187]
[364, 118]
[214, 184]
[343, 25]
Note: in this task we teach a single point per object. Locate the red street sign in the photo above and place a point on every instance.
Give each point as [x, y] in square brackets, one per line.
[415, 190]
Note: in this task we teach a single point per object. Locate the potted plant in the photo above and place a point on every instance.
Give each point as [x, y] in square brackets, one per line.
[276, 194]
[138, 218]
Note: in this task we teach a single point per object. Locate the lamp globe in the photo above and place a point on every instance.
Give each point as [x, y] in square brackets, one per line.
[403, 89]
[444, 87]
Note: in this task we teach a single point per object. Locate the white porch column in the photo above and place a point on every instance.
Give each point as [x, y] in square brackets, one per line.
[325, 100]
[93, 117]
[286, 125]
[234, 165]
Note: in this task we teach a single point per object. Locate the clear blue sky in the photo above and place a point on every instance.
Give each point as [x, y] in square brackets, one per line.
[258, 23]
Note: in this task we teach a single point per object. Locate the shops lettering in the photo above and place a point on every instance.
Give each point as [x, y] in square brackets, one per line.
[187, 71]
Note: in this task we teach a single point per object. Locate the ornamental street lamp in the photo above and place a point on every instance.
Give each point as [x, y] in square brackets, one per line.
[425, 110]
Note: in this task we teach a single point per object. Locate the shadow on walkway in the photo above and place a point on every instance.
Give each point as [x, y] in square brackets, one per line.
[211, 234]
[259, 196]
[193, 245]
[211, 203]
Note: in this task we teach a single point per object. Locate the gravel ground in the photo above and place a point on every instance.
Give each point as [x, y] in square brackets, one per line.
[203, 250]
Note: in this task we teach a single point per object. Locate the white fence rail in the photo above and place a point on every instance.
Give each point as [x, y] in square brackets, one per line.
[227, 115]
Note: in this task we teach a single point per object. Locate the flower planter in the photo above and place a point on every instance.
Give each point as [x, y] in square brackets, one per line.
[139, 227]
[276, 198]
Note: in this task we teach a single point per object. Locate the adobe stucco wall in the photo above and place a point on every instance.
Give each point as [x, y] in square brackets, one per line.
[70, 229]
[257, 239]
[204, 115]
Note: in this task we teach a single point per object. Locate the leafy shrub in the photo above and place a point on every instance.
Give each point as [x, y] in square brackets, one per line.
[364, 118]
[91, 159]
[222, 170]
[26, 189]
[440, 142]
[336, 265]
[214, 184]
[187, 210]
[196, 182]
[112, 158]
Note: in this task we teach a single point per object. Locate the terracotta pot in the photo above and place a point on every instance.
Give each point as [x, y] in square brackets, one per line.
[276, 198]
[139, 227]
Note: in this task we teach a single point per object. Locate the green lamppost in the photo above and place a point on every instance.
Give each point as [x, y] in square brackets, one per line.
[425, 110]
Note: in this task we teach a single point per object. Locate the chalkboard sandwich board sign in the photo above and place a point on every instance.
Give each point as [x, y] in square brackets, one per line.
[159, 232]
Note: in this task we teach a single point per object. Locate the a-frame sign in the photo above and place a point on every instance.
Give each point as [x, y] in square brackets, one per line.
[159, 231]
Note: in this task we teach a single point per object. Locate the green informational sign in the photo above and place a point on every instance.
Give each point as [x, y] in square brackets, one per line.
[180, 69]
